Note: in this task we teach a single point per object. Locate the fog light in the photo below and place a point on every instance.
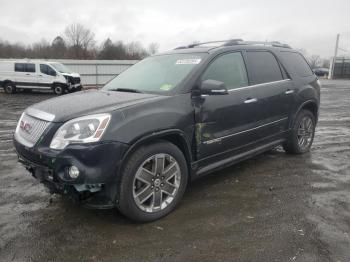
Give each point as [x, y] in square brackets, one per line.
[73, 172]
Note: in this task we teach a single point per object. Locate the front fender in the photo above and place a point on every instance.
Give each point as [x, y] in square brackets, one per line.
[144, 119]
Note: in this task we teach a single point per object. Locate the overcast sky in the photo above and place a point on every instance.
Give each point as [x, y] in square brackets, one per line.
[309, 24]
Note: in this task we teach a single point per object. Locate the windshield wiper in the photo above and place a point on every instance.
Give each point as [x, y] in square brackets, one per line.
[126, 90]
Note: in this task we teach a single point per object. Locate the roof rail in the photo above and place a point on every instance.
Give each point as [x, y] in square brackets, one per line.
[225, 42]
[265, 43]
[233, 42]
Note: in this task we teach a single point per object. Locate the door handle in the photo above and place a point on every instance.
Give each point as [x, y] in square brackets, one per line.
[250, 100]
[27, 74]
[289, 91]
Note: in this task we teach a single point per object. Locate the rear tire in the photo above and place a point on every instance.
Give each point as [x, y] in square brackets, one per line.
[302, 134]
[152, 182]
[9, 88]
[58, 89]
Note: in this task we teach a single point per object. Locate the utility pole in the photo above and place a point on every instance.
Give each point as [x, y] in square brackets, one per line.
[331, 72]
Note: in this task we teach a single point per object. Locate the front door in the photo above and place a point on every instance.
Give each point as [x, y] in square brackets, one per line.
[226, 122]
[46, 77]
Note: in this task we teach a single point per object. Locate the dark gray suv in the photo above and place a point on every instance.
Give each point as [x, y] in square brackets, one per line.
[136, 143]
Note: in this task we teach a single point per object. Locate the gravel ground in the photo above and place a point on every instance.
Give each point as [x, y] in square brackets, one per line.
[274, 207]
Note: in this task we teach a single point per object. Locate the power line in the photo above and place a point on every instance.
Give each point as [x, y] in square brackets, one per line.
[344, 50]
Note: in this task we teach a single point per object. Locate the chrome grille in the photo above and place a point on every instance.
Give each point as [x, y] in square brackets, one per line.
[30, 129]
[76, 80]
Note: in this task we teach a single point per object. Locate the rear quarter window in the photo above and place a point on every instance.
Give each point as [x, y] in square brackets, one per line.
[297, 63]
[263, 67]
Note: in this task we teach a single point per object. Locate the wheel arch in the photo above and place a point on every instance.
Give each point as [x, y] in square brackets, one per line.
[174, 136]
[309, 105]
[58, 83]
[6, 81]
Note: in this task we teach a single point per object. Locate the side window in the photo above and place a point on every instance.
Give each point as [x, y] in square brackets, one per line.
[30, 68]
[228, 68]
[20, 67]
[263, 67]
[45, 69]
[298, 63]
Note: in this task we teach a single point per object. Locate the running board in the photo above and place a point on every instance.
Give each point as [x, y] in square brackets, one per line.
[237, 158]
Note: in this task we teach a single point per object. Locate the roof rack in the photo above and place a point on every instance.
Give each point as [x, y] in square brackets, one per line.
[233, 42]
[224, 43]
[265, 43]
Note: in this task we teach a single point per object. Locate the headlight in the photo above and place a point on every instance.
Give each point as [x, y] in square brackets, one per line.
[66, 77]
[84, 129]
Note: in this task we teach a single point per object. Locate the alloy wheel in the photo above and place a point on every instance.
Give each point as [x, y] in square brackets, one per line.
[156, 183]
[305, 132]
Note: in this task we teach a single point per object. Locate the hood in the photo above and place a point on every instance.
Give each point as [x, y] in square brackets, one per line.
[71, 74]
[74, 105]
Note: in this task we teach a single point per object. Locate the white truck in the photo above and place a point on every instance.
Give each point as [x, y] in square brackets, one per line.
[20, 75]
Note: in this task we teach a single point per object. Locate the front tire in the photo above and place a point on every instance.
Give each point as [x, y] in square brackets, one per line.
[152, 182]
[58, 89]
[302, 134]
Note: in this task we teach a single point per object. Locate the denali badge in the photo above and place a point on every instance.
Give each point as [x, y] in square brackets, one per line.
[25, 126]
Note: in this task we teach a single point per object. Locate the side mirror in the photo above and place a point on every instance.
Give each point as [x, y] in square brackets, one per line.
[213, 87]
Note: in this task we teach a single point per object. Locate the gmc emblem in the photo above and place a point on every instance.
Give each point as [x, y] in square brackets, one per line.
[25, 126]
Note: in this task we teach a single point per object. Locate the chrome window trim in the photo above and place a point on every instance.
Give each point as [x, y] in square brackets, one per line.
[40, 114]
[262, 84]
[241, 132]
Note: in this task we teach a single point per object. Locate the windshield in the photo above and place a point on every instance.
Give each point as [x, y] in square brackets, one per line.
[61, 68]
[157, 74]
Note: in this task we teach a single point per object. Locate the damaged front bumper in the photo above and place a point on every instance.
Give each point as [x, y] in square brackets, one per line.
[98, 165]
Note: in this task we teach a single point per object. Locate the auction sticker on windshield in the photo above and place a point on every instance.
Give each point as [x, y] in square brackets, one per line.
[189, 61]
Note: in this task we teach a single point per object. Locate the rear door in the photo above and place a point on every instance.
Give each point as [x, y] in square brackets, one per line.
[26, 75]
[272, 93]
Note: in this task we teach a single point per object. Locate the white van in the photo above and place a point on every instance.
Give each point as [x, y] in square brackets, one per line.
[31, 75]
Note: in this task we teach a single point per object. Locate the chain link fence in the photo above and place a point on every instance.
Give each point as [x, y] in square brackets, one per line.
[342, 67]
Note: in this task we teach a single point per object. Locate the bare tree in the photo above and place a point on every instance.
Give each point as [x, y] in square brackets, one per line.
[135, 50]
[78, 43]
[58, 47]
[80, 38]
[40, 49]
[326, 63]
[314, 61]
[153, 48]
